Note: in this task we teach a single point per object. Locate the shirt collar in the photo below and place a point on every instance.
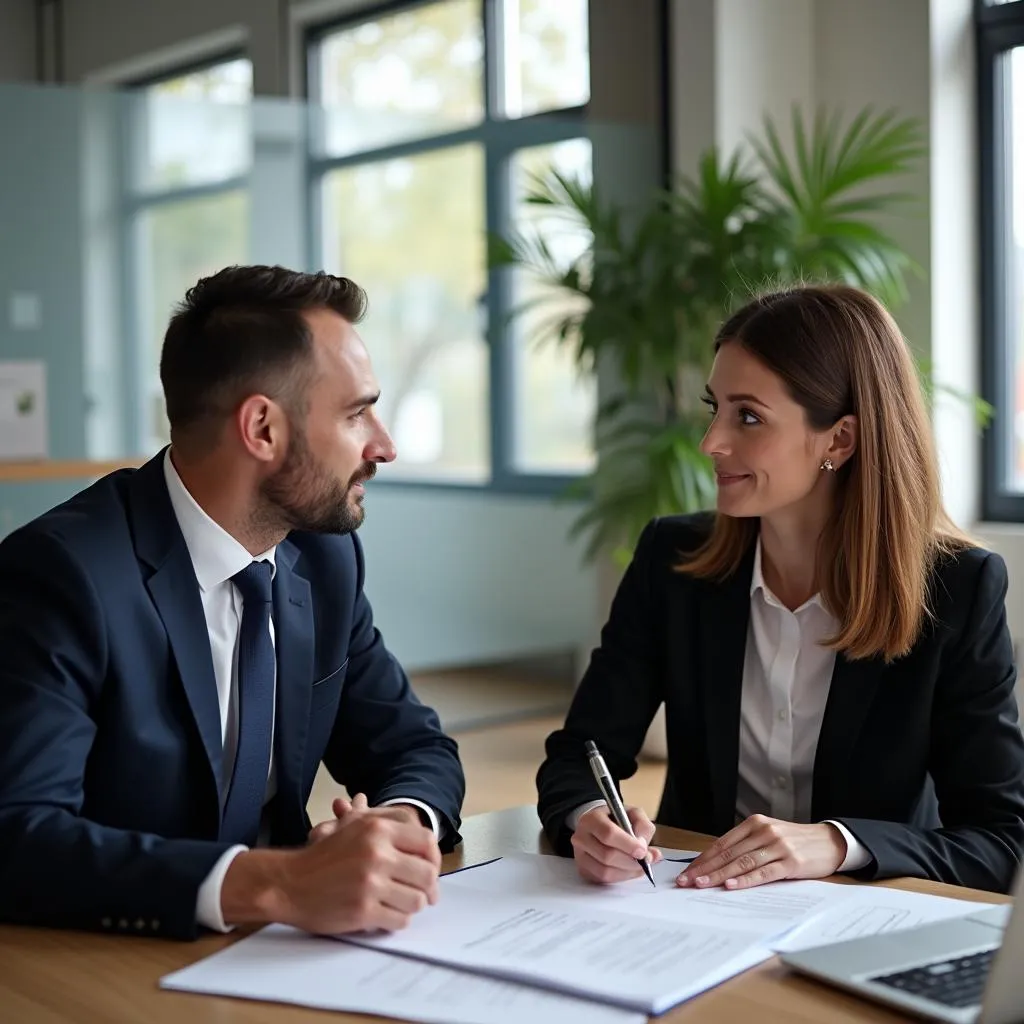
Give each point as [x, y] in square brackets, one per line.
[216, 555]
[757, 583]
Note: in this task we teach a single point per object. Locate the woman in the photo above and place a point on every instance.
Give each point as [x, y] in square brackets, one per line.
[832, 652]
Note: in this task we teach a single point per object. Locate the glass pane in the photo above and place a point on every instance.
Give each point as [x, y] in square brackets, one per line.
[411, 232]
[547, 55]
[227, 82]
[178, 243]
[553, 404]
[406, 76]
[195, 128]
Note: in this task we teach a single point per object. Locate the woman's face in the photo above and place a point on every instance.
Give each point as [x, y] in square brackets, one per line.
[767, 458]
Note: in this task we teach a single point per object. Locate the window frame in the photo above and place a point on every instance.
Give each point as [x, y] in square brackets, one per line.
[999, 28]
[500, 138]
[134, 203]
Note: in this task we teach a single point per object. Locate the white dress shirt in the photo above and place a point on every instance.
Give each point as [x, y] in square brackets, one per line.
[786, 678]
[216, 557]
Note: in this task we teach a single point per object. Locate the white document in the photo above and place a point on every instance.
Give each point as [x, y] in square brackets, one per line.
[634, 960]
[23, 416]
[764, 911]
[533, 875]
[871, 910]
[280, 964]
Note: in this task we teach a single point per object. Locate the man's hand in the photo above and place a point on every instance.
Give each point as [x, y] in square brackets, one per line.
[605, 853]
[763, 849]
[343, 809]
[375, 870]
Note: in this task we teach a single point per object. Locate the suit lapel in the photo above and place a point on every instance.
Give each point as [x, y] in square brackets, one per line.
[723, 617]
[175, 592]
[294, 641]
[850, 695]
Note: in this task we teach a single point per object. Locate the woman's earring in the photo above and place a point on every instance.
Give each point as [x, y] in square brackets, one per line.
[827, 466]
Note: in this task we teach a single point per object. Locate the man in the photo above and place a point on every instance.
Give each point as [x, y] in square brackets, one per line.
[183, 644]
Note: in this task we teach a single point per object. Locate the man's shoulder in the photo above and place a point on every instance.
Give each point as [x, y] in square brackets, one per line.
[323, 558]
[91, 525]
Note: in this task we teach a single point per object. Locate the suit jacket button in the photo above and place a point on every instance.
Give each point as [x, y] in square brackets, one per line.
[122, 923]
[155, 923]
[140, 924]
[106, 922]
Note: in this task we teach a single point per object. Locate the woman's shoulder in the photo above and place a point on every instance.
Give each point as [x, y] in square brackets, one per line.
[677, 535]
[966, 561]
[963, 575]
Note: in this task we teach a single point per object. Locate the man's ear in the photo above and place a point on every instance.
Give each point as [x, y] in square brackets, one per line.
[262, 427]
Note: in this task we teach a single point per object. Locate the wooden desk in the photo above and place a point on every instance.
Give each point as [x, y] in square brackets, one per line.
[62, 469]
[52, 977]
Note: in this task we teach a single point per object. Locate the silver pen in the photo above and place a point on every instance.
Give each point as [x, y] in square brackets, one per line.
[612, 799]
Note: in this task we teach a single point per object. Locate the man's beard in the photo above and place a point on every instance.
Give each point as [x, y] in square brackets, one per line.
[303, 495]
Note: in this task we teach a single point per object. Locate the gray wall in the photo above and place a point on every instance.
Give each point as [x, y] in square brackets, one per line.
[120, 38]
[17, 41]
[40, 252]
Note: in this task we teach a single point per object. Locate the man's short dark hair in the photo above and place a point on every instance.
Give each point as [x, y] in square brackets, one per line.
[241, 332]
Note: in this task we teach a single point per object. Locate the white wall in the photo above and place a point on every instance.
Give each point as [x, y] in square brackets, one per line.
[876, 52]
[763, 51]
[17, 41]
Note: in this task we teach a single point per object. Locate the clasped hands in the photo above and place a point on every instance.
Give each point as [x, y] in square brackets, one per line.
[372, 868]
[758, 850]
[344, 809]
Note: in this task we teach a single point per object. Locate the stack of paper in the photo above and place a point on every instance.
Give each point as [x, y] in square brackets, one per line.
[282, 965]
[632, 946]
[871, 910]
[543, 945]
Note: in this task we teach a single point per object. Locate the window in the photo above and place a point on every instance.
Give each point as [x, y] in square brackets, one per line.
[429, 118]
[553, 405]
[189, 151]
[1000, 25]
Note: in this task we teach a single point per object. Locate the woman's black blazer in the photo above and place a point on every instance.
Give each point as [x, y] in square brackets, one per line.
[921, 759]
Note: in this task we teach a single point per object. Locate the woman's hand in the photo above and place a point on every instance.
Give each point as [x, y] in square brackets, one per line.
[604, 853]
[763, 849]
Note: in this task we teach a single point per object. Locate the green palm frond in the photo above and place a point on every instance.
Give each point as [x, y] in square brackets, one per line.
[830, 177]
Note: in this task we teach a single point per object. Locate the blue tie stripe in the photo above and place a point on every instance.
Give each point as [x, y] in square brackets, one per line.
[244, 805]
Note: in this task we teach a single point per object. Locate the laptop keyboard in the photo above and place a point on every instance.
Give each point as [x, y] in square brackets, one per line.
[958, 982]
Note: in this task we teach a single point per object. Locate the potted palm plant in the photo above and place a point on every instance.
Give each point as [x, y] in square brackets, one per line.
[652, 285]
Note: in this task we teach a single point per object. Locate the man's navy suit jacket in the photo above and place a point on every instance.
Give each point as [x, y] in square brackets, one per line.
[110, 736]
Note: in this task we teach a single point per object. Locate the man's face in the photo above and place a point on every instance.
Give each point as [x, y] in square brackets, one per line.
[319, 487]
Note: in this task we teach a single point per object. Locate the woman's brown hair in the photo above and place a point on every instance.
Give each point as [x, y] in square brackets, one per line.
[840, 353]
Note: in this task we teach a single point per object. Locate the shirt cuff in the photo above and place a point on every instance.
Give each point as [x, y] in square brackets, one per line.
[435, 823]
[573, 818]
[209, 912]
[857, 855]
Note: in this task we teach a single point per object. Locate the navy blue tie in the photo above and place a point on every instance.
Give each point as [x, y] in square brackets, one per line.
[242, 809]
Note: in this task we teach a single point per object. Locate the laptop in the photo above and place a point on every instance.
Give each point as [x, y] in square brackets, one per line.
[962, 970]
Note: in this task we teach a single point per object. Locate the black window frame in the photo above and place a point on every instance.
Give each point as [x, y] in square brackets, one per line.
[999, 28]
[501, 138]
